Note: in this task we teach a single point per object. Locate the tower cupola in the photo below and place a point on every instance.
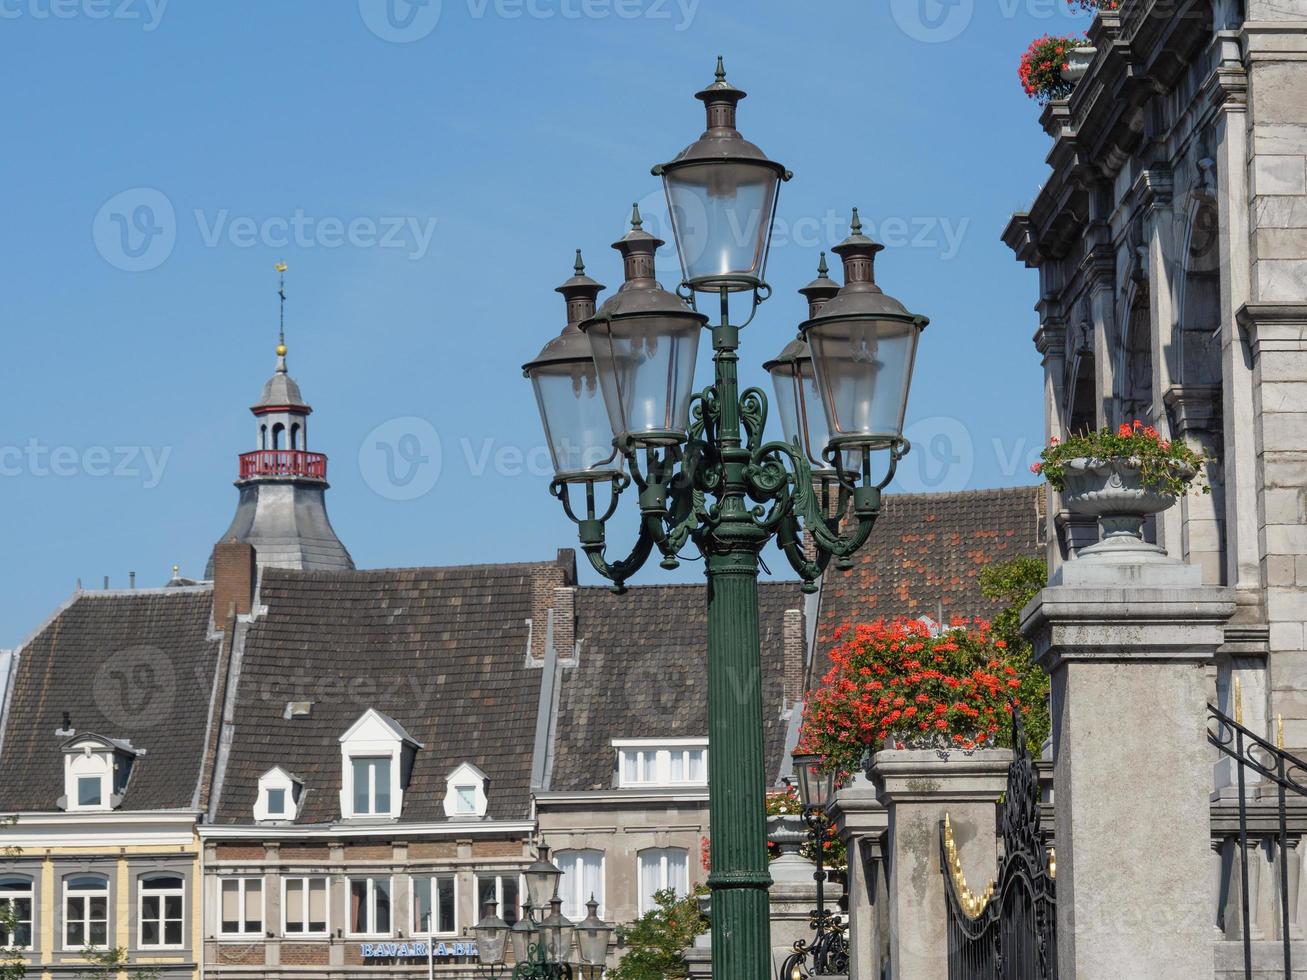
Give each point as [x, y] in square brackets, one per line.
[282, 509]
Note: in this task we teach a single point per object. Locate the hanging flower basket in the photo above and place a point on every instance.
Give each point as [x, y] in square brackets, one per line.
[1077, 64]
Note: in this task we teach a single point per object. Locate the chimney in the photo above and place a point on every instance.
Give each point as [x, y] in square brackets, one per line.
[794, 654]
[554, 587]
[131, 578]
[233, 580]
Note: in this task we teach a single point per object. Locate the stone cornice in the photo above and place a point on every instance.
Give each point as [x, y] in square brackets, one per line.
[1153, 189]
[1194, 408]
[1272, 327]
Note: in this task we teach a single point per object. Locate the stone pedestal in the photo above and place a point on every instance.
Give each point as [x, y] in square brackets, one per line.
[793, 891]
[1127, 640]
[861, 822]
[918, 789]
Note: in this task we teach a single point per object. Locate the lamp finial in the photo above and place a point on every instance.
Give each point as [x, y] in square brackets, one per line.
[636, 221]
[721, 70]
[823, 271]
[856, 227]
[579, 266]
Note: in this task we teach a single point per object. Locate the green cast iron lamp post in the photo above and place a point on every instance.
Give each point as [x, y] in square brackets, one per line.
[706, 478]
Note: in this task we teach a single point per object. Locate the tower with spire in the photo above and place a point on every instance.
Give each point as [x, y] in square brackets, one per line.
[282, 509]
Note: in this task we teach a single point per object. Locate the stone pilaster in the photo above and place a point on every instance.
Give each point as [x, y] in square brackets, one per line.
[1127, 643]
[862, 823]
[918, 789]
[793, 891]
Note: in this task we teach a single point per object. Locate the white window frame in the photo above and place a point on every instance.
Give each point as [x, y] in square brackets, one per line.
[88, 763]
[466, 777]
[662, 853]
[632, 755]
[374, 736]
[86, 894]
[142, 885]
[371, 906]
[560, 857]
[433, 877]
[278, 778]
[285, 906]
[499, 877]
[11, 893]
[243, 883]
[372, 767]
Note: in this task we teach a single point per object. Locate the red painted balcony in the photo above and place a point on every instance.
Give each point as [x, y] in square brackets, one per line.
[283, 462]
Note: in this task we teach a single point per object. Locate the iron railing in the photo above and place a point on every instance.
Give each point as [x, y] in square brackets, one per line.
[1008, 931]
[1277, 774]
[283, 462]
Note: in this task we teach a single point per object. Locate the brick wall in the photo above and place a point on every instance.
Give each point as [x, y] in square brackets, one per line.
[432, 850]
[792, 638]
[241, 852]
[305, 954]
[233, 580]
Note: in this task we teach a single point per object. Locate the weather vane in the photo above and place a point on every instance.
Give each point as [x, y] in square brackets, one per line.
[281, 292]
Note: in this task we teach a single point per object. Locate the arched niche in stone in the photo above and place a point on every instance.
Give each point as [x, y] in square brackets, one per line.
[1134, 362]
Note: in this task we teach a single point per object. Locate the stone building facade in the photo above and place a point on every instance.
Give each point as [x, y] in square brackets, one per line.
[1171, 242]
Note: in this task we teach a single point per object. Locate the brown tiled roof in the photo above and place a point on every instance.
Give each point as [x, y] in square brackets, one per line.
[925, 554]
[129, 666]
[643, 673]
[442, 651]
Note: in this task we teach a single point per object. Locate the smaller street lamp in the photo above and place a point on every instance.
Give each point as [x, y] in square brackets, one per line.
[542, 880]
[492, 937]
[721, 196]
[567, 392]
[592, 934]
[863, 346]
[829, 950]
[557, 930]
[644, 341]
[523, 935]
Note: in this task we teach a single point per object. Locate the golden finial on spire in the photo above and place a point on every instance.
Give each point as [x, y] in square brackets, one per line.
[281, 268]
[1238, 701]
[1279, 732]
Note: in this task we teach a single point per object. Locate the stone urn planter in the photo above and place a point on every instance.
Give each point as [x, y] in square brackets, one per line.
[787, 831]
[1113, 491]
[1077, 63]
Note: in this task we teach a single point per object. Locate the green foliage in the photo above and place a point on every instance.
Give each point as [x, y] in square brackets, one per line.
[656, 942]
[105, 964]
[12, 964]
[1164, 466]
[1014, 583]
[787, 802]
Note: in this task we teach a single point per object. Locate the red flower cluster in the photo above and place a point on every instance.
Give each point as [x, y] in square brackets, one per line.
[1095, 4]
[1041, 67]
[1126, 430]
[899, 681]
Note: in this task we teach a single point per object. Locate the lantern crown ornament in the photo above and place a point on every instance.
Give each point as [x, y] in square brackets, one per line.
[721, 196]
[644, 341]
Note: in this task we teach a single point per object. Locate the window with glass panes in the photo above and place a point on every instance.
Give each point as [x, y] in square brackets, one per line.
[160, 911]
[86, 911]
[662, 868]
[434, 904]
[369, 906]
[583, 878]
[505, 891]
[371, 786]
[16, 903]
[305, 906]
[241, 906]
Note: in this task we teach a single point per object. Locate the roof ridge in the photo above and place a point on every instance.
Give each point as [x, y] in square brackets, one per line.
[957, 494]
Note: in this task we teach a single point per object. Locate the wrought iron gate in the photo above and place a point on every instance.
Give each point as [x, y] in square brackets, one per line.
[1008, 931]
[1279, 774]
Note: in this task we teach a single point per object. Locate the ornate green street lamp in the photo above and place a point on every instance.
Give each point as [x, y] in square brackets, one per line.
[542, 950]
[708, 480]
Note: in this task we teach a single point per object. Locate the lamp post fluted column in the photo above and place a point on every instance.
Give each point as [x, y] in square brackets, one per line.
[706, 477]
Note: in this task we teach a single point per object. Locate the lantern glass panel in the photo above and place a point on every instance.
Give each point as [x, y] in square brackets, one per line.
[721, 213]
[646, 372]
[798, 399]
[863, 370]
[575, 420]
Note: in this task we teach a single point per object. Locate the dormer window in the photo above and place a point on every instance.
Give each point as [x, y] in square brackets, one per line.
[666, 763]
[279, 795]
[465, 793]
[376, 757]
[96, 771]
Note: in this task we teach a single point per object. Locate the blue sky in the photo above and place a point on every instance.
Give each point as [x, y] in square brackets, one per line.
[426, 171]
